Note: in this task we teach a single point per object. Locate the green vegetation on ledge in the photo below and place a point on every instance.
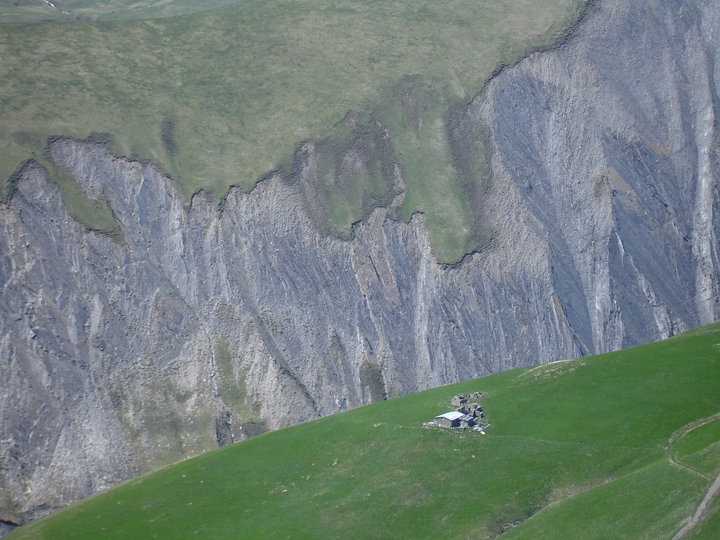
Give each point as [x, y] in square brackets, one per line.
[622, 445]
[222, 97]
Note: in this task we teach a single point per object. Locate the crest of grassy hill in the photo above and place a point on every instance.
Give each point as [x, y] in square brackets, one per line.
[222, 97]
[621, 445]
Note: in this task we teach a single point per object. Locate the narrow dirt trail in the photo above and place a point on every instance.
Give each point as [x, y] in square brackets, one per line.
[714, 488]
[701, 509]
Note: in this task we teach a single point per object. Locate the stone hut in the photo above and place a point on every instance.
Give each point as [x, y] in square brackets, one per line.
[449, 419]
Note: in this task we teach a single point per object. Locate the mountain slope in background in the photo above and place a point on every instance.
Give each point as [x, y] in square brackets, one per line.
[221, 97]
[23, 11]
[193, 325]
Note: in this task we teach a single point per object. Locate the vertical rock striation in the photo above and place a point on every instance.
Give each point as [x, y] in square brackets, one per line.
[610, 146]
[199, 325]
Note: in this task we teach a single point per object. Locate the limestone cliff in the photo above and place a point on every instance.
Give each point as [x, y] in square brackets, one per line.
[197, 325]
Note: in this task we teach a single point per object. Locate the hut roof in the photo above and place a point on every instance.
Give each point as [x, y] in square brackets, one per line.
[452, 415]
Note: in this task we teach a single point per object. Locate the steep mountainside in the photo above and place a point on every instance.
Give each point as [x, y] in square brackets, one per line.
[194, 326]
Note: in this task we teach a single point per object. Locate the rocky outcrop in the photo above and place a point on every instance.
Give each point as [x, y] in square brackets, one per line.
[609, 146]
[197, 324]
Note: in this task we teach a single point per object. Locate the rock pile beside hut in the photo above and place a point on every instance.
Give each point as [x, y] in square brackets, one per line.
[468, 414]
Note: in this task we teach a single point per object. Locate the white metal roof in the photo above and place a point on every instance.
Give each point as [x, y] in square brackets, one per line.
[452, 415]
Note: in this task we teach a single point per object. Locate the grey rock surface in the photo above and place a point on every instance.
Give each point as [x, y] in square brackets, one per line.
[199, 325]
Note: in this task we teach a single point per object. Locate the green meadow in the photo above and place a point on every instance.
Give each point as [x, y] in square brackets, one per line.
[621, 445]
[224, 96]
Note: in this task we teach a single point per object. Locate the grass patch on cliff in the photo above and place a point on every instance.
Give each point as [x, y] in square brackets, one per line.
[95, 214]
[600, 447]
[241, 85]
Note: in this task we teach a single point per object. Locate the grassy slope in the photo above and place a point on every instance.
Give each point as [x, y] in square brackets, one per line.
[222, 97]
[68, 10]
[622, 445]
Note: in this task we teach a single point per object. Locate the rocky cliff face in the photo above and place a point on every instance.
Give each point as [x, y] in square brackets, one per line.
[200, 325]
